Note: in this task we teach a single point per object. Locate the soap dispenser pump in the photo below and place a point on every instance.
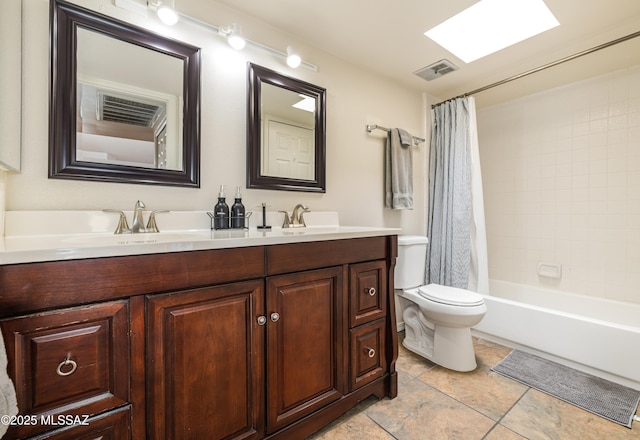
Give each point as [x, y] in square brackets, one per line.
[237, 211]
[221, 212]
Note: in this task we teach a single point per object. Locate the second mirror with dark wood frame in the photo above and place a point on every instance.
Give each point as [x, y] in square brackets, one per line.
[285, 132]
[125, 102]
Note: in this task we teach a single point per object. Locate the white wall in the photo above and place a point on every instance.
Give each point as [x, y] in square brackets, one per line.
[354, 158]
[561, 172]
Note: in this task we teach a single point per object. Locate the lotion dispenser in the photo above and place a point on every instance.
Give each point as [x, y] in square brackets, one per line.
[237, 211]
[221, 212]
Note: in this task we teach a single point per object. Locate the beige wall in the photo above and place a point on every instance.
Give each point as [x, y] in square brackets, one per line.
[354, 158]
[561, 173]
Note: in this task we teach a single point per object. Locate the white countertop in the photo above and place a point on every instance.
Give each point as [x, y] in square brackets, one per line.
[23, 247]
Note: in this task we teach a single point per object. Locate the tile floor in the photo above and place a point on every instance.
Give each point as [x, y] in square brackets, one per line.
[435, 403]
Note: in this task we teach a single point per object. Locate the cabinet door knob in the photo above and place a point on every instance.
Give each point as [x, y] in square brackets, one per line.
[262, 320]
[69, 365]
[370, 352]
[275, 317]
[371, 291]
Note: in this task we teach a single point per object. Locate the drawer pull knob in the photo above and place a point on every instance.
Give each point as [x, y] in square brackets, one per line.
[370, 352]
[64, 364]
[262, 320]
[275, 317]
[371, 291]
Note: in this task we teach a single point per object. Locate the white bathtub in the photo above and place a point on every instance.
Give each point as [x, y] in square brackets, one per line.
[595, 335]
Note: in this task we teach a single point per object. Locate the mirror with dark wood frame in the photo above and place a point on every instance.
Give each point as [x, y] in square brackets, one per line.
[285, 132]
[125, 102]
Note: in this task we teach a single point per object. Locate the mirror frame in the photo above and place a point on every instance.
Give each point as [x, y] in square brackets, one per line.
[256, 76]
[65, 19]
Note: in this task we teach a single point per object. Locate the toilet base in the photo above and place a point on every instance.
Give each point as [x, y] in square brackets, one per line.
[451, 348]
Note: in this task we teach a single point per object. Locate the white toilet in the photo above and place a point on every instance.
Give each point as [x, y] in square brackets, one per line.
[437, 319]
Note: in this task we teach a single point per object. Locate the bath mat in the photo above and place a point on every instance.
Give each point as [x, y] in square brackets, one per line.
[599, 396]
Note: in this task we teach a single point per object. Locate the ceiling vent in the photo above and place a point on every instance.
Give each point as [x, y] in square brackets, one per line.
[436, 70]
[127, 111]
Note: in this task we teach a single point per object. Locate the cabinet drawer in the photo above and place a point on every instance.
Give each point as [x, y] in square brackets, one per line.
[367, 353]
[68, 362]
[367, 292]
[113, 425]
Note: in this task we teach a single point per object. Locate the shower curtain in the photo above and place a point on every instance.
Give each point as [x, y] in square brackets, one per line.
[457, 254]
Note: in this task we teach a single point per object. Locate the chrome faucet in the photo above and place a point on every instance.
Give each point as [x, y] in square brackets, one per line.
[297, 219]
[138, 220]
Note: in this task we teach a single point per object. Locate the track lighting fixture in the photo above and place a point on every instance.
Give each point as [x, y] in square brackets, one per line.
[234, 37]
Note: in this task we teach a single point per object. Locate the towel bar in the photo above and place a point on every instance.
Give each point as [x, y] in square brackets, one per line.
[370, 128]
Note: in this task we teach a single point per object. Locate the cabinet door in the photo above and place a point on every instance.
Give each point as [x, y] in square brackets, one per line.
[205, 363]
[304, 350]
[68, 362]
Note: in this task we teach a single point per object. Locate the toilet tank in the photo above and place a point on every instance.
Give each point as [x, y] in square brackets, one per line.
[410, 265]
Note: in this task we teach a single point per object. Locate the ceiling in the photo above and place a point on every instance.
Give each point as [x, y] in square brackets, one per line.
[387, 37]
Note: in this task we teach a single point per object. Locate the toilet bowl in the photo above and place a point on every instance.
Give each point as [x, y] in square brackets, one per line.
[438, 319]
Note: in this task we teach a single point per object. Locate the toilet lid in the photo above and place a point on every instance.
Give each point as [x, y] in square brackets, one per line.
[450, 295]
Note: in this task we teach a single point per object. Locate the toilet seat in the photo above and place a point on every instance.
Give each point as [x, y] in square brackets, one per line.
[450, 295]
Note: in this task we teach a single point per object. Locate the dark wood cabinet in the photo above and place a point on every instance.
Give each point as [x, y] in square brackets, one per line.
[270, 341]
[304, 355]
[205, 365]
[69, 363]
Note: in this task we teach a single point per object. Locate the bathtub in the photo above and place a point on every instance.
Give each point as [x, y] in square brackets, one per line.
[599, 336]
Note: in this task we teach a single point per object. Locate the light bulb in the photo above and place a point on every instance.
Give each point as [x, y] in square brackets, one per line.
[167, 14]
[236, 41]
[293, 59]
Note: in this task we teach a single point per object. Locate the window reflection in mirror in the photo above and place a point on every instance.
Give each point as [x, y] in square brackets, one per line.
[124, 115]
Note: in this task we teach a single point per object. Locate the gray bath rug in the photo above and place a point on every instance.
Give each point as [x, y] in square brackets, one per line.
[599, 396]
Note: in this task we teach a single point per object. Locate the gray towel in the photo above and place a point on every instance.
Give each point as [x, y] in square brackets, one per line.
[398, 170]
[8, 403]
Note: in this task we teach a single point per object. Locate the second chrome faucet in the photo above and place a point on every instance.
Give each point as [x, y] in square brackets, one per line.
[138, 220]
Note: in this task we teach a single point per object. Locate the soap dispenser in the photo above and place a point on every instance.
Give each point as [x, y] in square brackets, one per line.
[237, 211]
[221, 212]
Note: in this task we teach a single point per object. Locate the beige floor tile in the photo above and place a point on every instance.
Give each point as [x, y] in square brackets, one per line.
[421, 412]
[540, 416]
[488, 353]
[410, 365]
[501, 433]
[357, 426]
[483, 390]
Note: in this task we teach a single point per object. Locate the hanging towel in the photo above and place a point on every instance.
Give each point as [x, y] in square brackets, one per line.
[8, 402]
[398, 170]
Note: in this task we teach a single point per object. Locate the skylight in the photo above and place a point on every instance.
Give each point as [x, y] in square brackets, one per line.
[491, 25]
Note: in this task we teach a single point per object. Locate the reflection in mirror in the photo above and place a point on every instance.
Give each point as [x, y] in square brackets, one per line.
[125, 116]
[11, 84]
[285, 132]
[133, 115]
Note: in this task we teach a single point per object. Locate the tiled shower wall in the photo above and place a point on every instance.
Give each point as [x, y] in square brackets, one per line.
[561, 177]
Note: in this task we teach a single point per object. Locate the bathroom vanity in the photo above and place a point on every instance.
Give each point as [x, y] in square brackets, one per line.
[271, 337]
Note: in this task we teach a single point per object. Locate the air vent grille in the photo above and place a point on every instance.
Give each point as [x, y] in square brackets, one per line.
[127, 111]
[436, 70]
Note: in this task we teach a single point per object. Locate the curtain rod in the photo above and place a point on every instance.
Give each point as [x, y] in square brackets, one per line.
[416, 140]
[544, 67]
